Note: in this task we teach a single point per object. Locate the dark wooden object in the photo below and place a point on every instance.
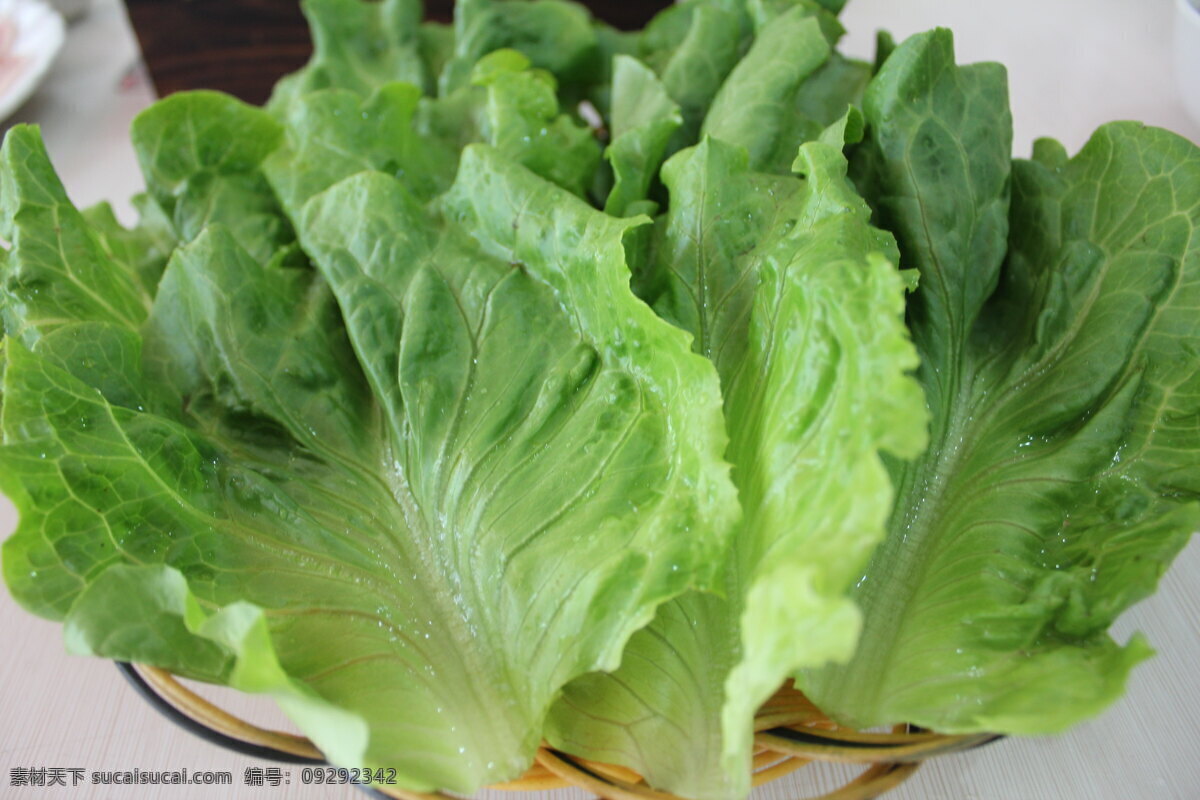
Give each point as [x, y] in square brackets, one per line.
[244, 46]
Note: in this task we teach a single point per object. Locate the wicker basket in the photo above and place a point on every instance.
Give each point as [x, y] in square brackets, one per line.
[791, 733]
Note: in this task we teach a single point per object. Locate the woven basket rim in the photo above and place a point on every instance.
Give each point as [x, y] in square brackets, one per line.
[790, 733]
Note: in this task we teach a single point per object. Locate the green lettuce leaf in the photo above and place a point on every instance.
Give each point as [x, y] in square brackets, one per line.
[693, 46]
[762, 74]
[334, 133]
[412, 527]
[824, 96]
[437, 47]
[1056, 319]
[644, 118]
[56, 269]
[230, 645]
[765, 13]
[201, 154]
[523, 123]
[833, 6]
[555, 36]
[145, 248]
[361, 47]
[787, 290]
[755, 106]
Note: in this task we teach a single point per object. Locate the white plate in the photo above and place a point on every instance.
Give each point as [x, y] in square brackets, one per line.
[31, 34]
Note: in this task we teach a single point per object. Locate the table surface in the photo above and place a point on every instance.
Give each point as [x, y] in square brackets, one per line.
[1073, 64]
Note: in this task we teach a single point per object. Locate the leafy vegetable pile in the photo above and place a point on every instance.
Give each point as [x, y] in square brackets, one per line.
[410, 403]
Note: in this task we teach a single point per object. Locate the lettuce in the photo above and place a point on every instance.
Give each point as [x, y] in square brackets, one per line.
[377, 412]
[1057, 328]
[786, 288]
[411, 496]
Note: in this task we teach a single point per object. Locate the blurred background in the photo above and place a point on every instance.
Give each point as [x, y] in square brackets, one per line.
[1073, 64]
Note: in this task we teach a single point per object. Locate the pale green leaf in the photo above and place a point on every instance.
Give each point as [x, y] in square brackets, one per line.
[787, 290]
[1061, 379]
